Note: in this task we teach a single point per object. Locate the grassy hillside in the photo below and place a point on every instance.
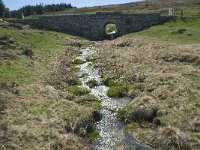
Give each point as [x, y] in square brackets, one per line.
[137, 7]
[38, 109]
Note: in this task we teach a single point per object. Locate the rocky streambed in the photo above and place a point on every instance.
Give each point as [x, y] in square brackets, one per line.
[111, 134]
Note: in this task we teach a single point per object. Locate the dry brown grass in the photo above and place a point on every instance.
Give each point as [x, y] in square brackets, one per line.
[135, 7]
[67, 142]
[43, 113]
[168, 138]
[167, 72]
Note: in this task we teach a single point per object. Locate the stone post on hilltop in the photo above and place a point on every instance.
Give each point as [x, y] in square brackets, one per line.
[3, 17]
[23, 16]
[170, 11]
[181, 15]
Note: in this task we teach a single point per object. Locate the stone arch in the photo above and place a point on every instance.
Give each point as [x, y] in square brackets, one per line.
[91, 26]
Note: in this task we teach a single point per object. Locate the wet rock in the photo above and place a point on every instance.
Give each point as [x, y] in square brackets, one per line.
[97, 115]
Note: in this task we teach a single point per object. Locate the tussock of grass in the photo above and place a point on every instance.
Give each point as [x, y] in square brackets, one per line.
[92, 83]
[171, 138]
[141, 109]
[88, 100]
[67, 141]
[93, 135]
[79, 53]
[83, 75]
[116, 91]
[78, 62]
[79, 90]
[90, 59]
[108, 81]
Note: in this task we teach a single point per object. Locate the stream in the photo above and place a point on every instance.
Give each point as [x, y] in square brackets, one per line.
[111, 133]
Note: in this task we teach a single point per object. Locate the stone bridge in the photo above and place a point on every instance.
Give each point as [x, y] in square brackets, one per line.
[91, 26]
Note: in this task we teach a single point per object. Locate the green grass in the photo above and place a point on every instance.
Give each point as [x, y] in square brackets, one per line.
[88, 100]
[79, 53]
[110, 28]
[168, 31]
[92, 83]
[109, 81]
[93, 135]
[78, 62]
[78, 90]
[24, 69]
[116, 91]
[83, 75]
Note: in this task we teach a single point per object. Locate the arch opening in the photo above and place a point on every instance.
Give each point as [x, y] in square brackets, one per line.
[110, 30]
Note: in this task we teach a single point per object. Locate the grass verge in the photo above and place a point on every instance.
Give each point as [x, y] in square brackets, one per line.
[38, 111]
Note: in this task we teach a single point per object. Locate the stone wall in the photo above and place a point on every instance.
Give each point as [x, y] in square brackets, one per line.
[91, 26]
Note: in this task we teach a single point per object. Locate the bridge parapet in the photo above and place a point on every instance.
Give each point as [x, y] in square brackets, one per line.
[92, 26]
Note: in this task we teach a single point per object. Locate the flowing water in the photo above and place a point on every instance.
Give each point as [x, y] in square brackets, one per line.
[111, 133]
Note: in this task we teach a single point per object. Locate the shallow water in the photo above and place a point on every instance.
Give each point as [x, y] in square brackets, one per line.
[111, 133]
